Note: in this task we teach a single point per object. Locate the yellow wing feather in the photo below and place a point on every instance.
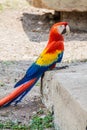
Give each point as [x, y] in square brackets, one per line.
[46, 59]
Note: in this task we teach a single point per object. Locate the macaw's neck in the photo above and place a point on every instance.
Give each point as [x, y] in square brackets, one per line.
[56, 37]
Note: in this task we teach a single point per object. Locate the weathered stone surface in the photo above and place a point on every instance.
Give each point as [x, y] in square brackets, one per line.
[61, 5]
[65, 92]
[66, 5]
[37, 3]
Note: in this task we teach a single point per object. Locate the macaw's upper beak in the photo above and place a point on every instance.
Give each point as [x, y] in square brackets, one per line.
[67, 29]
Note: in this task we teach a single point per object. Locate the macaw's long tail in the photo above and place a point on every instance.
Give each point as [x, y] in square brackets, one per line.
[18, 93]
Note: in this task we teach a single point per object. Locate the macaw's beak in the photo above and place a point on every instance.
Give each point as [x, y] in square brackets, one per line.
[66, 30]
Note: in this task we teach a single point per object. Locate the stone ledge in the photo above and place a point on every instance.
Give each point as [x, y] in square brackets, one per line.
[66, 5]
[65, 92]
[61, 5]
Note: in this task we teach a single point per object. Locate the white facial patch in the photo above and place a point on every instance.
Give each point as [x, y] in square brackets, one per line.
[61, 28]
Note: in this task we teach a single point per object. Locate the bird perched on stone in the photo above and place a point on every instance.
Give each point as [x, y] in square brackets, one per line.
[47, 60]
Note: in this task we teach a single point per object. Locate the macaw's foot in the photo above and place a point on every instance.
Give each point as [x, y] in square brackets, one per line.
[61, 67]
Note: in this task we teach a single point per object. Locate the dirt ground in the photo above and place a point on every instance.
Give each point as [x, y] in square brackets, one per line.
[21, 32]
[23, 35]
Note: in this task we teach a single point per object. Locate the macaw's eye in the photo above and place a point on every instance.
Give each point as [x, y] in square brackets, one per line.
[61, 29]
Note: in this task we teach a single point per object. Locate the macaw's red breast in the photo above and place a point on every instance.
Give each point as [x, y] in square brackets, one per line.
[55, 46]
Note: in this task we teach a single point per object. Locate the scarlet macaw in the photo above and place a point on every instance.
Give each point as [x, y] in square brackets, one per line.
[47, 60]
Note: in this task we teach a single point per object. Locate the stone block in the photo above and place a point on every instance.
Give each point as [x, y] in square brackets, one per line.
[65, 93]
[61, 5]
[37, 3]
[66, 5]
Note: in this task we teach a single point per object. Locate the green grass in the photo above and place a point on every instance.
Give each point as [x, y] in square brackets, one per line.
[41, 122]
[13, 126]
[38, 122]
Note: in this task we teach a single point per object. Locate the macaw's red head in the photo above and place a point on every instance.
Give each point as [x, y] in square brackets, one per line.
[58, 30]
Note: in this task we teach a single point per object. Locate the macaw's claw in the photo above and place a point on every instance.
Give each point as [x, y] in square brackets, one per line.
[60, 68]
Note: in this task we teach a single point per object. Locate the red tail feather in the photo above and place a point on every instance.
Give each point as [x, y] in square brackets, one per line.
[16, 92]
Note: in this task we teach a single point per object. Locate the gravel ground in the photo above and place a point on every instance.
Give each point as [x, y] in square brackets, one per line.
[23, 35]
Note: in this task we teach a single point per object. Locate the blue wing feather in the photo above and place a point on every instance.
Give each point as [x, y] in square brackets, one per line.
[60, 56]
[35, 71]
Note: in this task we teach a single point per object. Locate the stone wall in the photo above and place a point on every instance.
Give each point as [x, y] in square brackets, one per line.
[65, 93]
[73, 11]
[37, 3]
[66, 5]
[61, 5]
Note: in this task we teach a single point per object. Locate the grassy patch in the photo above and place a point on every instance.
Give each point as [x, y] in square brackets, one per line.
[38, 122]
[13, 126]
